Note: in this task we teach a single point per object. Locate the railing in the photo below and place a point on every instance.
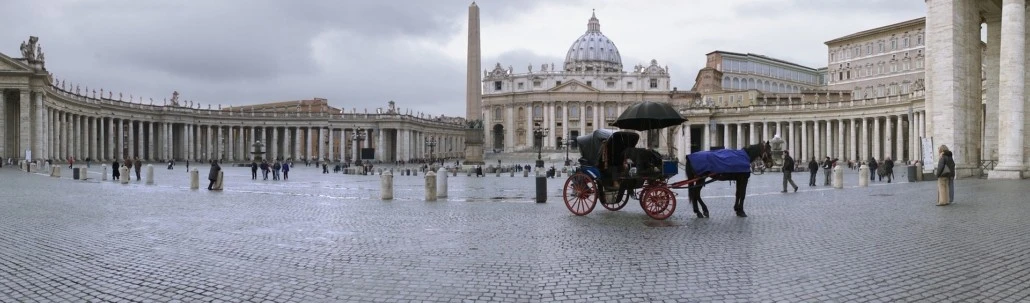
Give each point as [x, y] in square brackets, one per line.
[986, 165]
[795, 103]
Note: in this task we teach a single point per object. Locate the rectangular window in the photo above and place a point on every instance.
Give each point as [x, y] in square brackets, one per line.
[590, 83]
[654, 83]
[520, 85]
[557, 83]
[497, 85]
[629, 84]
[611, 84]
[536, 83]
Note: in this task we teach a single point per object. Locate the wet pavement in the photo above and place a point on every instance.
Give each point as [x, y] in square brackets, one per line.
[328, 238]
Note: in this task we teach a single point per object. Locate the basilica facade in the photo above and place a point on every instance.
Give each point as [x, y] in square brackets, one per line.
[547, 106]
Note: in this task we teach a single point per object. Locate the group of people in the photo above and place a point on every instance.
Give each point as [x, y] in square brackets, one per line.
[813, 168]
[275, 168]
[132, 164]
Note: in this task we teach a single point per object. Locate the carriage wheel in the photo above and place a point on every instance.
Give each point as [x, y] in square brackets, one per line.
[618, 198]
[580, 194]
[659, 202]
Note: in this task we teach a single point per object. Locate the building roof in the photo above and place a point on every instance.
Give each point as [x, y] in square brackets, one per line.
[593, 50]
[312, 105]
[762, 57]
[882, 29]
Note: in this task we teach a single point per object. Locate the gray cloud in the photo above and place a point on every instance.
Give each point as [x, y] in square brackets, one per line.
[355, 53]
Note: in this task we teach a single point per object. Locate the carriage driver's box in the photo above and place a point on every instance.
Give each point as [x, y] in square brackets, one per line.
[670, 168]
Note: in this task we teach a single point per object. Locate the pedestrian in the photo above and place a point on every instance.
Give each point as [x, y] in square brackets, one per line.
[813, 167]
[888, 169]
[827, 165]
[788, 168]
[187, 165]
[286, 171]
[275, 170]
[115, 174]
[325, 168]
[128, 166]
[264, 169]
[213, 174]
[138, 165]
[253, 170]
[945, 176]
[873, 165]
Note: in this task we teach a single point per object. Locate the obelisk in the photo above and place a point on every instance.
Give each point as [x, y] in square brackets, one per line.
[475, 132]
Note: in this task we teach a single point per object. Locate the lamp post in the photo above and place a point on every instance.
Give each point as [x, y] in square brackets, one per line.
[568, 142]
[539, 133]
[431, 143]
[359, 135]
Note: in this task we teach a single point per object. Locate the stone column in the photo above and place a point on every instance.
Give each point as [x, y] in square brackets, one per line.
[888, 142]
[77, 137]
[111, 139]
[297, 144]
[877, 151]
[740, 135]
[3, 121]
[840, 140]
[726, 136]
[91, 138]
[686, 140]
[307, 142]
[953, 95]
[817, 135]
[1012, 91]
[287, 144]
[275, 143]
[37, 135]
[25, 128]
[804, 141]
[865, 140]
[753, 138]
[993, 95]
[855, 146]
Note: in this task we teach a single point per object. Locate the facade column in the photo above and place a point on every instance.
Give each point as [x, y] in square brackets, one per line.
[150, 141]
[275, 143]
[77, 136]
[877, 151]
[25, 128]
[1012, 91]
[752, 137]
[132, 139]
[840, 140]
[855, 145]
[707, 136]
[686, 139]
[992, 97]
[865, 140]
[740, 135]
[899, 141]
[817, 135]
[888, 142]
[111, 139]
[804, 141]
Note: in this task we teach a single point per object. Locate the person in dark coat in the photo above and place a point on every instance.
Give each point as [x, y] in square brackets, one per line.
[788, 168]
[115, 174]
[213, 174]
[813, 167]
[873, 165]
[827, 167]
[888, 169]
[137, 165]
[253, 170]
[945, 176]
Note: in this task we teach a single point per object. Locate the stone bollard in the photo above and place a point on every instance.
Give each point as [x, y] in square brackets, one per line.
[863, 176]
[33, 167]
[454, 172]
[150, 174]
[386, 186]
[919, 171]
[430, 186]
[194, 179]
[219, 185]
[512, 172]
[838, 177]
[441, 184]
[104, 173]
[125, 174]
[525, 173]
[557, 173]
[498, 173]
[83, 173]
[55, 171]
[468, 172]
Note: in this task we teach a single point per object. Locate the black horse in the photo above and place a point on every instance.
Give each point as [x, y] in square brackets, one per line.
[754, 153]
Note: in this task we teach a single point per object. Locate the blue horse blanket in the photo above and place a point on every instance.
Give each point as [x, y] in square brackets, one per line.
[720, 161]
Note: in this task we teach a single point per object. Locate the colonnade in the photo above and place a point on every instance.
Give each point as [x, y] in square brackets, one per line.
[847, 138]
[518, 121]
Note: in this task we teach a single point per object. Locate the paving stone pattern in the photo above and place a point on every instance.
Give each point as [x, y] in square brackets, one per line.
[328, 238]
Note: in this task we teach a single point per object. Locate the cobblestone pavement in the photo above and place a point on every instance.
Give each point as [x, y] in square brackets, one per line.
[328, 238]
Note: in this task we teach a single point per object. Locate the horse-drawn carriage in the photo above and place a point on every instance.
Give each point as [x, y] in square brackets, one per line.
[612, 169]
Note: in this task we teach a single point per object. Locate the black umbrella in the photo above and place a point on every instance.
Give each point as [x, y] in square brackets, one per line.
[648, 115]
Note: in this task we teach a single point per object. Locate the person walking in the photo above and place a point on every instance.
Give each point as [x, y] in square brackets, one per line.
[325, 168]
[264, 170]
[137, 165]
[253, 170]
[275, 170]
[873, 165]
[945, 176]
[115, 174]
[286, 170]
[212, 175]
[888, 169]
[813, 167]
[788, 168]
[827, 166]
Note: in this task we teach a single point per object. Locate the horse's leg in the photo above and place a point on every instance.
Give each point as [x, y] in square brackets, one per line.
[741, 193]
[694, 194]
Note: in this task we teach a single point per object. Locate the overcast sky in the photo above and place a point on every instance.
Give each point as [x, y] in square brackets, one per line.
[361, 54]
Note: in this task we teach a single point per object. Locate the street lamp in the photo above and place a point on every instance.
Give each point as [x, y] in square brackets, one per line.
[431, 143]
[359, 135]
[539, 133]
[568, 141]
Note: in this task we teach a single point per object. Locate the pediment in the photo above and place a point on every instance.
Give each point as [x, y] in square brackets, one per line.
[11, 64]
[573, 86]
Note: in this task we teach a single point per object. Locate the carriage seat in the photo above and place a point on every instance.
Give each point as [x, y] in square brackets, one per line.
[647, 161]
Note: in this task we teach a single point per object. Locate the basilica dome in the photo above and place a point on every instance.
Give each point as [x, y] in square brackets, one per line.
[593, 51]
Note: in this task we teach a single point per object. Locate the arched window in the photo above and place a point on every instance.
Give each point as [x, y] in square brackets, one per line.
[558, 113]
[726, 83]
[590, 112]
[498, 114]
[522, 113]
[538, 112]
[573, 111]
